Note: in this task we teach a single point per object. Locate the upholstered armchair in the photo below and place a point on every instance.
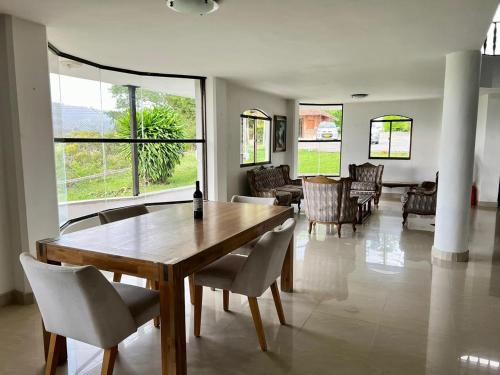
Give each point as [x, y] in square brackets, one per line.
[367, 178]
[420, 200]
[328, 201]
[275, 182]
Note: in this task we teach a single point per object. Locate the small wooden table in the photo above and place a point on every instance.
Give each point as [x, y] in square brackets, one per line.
[166, 246]
[364, 207]
[395, 184]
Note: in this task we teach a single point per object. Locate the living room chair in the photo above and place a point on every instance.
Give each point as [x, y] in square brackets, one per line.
[79, 303]
[253, 200]
[249, 276]
[367, 178]
[420, 200]
[328, 201]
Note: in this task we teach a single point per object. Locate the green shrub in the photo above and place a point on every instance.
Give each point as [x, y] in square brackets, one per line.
[156, 160]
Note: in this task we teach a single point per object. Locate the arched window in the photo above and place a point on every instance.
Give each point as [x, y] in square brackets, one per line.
[390, 137]
[255, 141]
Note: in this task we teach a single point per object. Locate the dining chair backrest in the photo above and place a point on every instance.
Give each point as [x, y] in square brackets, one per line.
[263, 265]
[122, 213]
[254, 200]
[78, 302]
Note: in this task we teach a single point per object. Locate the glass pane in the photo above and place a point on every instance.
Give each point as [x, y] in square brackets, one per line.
[379, 139]
[263, 137]
[247, 141]
[323, 122]
[400, 139]
[319, 158]
[168, 171]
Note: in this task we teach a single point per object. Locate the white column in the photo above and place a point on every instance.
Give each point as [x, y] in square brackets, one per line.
[28, 195]
[456, 155]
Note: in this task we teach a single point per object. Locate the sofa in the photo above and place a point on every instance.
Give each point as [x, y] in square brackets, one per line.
[275, 182]
[366, 178]
[328, 201]
[420, 200]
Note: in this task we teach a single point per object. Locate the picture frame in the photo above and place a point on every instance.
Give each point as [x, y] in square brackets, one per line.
[279, 139]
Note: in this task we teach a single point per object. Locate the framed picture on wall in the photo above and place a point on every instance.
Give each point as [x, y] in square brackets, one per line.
[279, 144]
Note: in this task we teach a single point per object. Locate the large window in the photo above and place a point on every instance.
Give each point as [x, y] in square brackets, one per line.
[255, 142]
[390, 137]
[320, 139]
[123, 137]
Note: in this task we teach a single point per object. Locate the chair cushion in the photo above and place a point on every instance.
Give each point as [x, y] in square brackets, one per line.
[364, 186]
[221, 273]
[295, 190]
[144, 304]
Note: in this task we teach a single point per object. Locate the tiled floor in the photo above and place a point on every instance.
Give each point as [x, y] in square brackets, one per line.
[368, 303]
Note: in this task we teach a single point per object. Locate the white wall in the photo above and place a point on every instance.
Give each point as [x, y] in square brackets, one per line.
[426, 115]
[225, 103]
[28, 196]
[487, 153]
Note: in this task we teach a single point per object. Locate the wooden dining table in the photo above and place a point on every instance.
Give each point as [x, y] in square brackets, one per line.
[166, 246]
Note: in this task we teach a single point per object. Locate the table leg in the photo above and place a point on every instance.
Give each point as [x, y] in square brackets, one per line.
[287, 270]
[173, 333]
[41, 254]
[360, 214]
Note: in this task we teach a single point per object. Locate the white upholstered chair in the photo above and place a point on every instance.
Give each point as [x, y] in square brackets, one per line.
[78, 302]
[248, 275]
[254, 200]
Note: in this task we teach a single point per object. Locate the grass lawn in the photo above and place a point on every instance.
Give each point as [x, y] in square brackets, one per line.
[120, 185]
[322, 162]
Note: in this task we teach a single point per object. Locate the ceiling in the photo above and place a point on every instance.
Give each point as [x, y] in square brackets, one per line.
[315, 50]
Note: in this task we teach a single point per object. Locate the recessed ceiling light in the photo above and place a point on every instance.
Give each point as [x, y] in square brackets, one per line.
[200, 7]
[359, 96]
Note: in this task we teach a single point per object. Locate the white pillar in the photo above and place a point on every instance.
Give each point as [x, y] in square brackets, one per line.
[28, 199]
[456, 155]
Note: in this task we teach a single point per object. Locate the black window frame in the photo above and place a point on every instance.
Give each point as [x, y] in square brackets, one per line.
[134, 141]
[322, 140]
[373, 120]
[266, 117]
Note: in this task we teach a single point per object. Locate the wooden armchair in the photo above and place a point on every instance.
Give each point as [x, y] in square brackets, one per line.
[420, 200]
[367, 178]
[328, 201]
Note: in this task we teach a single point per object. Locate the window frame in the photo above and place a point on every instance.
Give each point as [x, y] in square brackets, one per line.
[322, 140]
[266, 117]
[376, 119]
[134, 140]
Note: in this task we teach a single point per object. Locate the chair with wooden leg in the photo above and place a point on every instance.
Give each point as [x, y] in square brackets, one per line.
[248, 275]
[80, 303]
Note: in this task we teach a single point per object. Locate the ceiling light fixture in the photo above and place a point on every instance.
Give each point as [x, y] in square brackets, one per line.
[359, 96]
[200, 7]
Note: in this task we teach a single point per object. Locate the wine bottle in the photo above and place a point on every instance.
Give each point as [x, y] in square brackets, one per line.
[198, 202]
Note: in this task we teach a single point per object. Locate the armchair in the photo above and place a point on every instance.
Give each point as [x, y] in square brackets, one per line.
[420, 200]
[328, 201]
[367, 178]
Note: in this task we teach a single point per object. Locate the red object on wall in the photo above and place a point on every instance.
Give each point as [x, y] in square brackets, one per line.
[473, 196]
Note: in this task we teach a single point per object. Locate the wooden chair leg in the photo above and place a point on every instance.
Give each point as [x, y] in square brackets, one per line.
[191, 288]
[198, 300]
[257, 321]
[225, 297]
[55, 343]
[339, 228]
[108, 361]
[310, 227]
[354, 225]
[117, 277]
[156, 286]
[277, 302]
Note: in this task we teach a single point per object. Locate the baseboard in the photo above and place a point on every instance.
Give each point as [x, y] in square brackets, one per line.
[487, 204]
[15, 297]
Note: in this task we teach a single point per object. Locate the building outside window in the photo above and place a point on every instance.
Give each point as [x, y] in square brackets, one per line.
[390, 137]
[320, 139]
[255, 142]
[122, 138]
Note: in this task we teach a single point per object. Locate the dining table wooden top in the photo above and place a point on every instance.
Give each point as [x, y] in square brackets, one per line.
[171, 235]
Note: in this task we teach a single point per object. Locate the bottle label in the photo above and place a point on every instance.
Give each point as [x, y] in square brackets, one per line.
[198, 204]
